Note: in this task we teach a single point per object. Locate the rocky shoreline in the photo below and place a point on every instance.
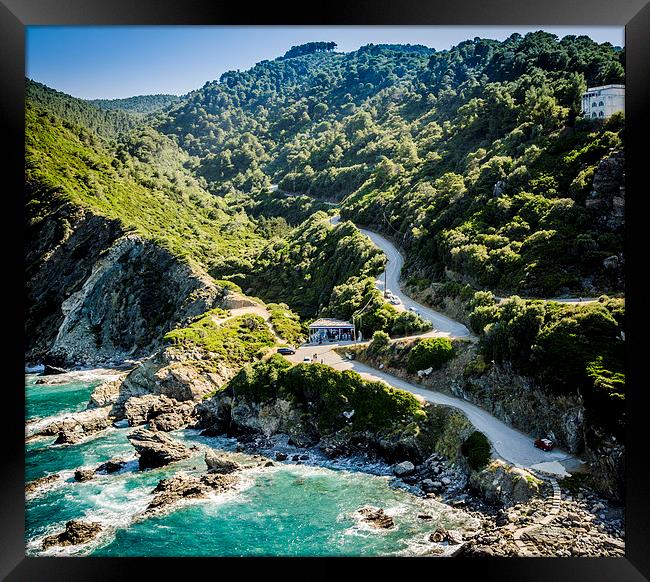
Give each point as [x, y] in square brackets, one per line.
[519, 515]
[580, 524]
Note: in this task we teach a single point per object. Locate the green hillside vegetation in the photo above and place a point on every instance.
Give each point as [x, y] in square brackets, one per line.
[359, 298]
[376, 405]
[430, 353]
[567, 348]
[293, 209]
[303, 268]
[144, 181]
[252, 125]
[232, 342]
[142, 104]
[473, 158]
[108, 124]
[287, 324]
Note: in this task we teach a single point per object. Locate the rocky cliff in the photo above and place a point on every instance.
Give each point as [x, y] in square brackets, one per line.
[97, 294]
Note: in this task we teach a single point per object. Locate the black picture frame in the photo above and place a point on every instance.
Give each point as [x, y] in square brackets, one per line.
[633, 14]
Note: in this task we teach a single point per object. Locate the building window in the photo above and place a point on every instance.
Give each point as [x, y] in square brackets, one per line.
[593, 104]
[593, 114]
[601, 114]
[601, 104]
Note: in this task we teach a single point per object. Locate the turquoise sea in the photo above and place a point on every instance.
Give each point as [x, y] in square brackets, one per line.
[284, 510]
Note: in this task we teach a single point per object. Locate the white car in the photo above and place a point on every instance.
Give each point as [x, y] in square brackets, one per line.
[394, 301]
[414, 310]
[306, 359]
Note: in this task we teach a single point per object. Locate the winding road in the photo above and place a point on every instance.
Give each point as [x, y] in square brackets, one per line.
[442, 325]
[508, 443]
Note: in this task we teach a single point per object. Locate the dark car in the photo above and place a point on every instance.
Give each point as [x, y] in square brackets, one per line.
[544, 444]
[286, 351]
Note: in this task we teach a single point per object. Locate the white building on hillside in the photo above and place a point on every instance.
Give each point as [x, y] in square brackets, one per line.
[602, 102]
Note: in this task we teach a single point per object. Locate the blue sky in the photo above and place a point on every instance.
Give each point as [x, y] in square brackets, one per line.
[122, 61]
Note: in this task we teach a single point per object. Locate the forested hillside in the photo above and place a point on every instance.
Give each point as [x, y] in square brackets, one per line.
[303, 268]
[108, 124]
[473, 158]
[142, 104]
[142, 181]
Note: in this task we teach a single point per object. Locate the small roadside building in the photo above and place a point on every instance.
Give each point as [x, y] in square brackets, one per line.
[331, 330]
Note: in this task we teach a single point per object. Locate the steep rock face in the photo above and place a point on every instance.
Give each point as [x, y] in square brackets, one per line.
[606, 457]
[134, 295]
[608, 192]
[170, 373]
[60, 253]
[520, 402]
[607, 201]
[500, 484]
[96, 294]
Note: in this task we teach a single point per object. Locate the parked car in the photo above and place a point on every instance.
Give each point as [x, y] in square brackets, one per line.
[394, 301]
[414, 310]
[286, 351]
[306, 359]
[545, 444]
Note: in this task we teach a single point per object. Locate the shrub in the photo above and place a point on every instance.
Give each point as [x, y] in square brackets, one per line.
[380, 341]
[477, 450]
[408, 323]
[430, 353]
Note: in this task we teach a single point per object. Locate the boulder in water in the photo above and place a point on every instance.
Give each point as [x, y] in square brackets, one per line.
[36, 484]
[182, 486]
[84, 474]
[219, 463]
[76, 532]
[376, 517]
[156, 449]
[111, 466]
[450, 536]
[403, 469]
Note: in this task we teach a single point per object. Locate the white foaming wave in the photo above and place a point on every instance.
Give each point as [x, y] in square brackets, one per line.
[420, 545]
[47, 487]
[37, 424]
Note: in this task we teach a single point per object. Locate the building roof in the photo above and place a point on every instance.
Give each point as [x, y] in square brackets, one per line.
[330, 323]
[611, 86]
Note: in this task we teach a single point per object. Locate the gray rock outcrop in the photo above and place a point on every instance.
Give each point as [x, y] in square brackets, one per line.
[156, 449]
[182, 486]
[84, 474]
[41, 482]
[220, 463]
[376, 517]
[77, 426]
[403, 468]
[76, 532]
